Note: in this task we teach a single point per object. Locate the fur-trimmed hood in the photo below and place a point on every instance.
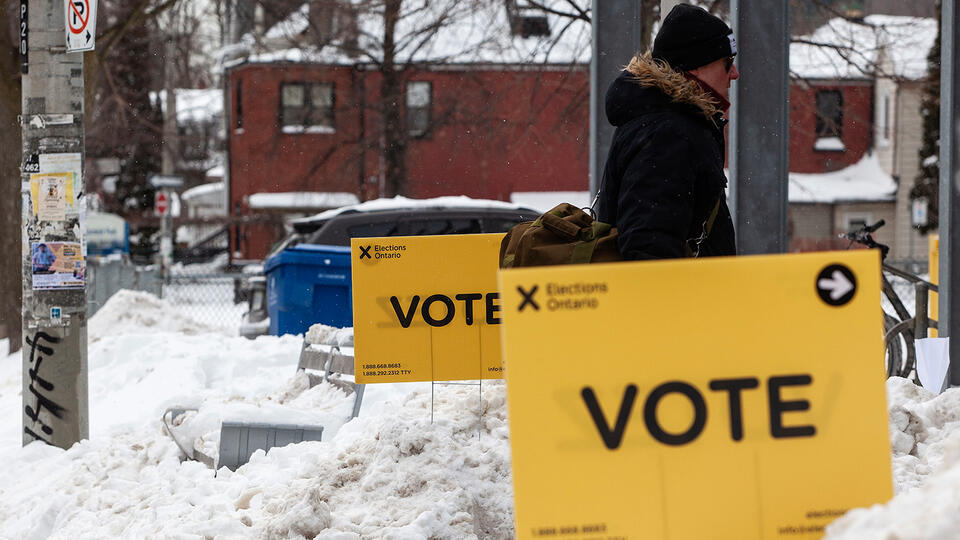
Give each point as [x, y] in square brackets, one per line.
[647, 83]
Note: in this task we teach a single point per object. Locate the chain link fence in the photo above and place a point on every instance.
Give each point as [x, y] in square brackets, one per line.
[207, 294]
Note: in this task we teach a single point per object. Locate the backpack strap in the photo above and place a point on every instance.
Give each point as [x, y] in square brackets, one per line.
[707, 227]
[583, 250]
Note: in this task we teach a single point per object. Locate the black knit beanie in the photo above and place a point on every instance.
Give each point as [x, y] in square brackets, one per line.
[690, 37]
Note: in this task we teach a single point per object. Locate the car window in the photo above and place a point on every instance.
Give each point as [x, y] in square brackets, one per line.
[368, 230]
[496, 225]
[419, 227]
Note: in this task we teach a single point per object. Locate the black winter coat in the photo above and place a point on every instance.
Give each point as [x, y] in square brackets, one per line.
[664, 173]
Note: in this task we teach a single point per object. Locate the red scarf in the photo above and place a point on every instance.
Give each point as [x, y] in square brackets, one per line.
[722, 102]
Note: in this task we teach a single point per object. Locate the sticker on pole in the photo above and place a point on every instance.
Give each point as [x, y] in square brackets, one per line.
[426, 308]
[57, 265]
[80, 17]
[676, 399]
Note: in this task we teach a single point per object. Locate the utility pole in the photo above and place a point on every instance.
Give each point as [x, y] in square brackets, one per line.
[55, 408]
[760, 127]
[948, 324]
[171, 147]
[617, 27]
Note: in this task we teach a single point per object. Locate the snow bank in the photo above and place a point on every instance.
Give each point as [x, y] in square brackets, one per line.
[390, 473]
[133, 312]
[384, 476]
[925, 436]
[321, 334]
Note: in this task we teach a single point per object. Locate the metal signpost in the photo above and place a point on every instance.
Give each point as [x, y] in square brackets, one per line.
[616, 37]
[759, 131]
[55, 408]
[948, 323]
[165, 184]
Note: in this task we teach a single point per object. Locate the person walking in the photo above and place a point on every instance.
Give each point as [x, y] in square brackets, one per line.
[663, 184]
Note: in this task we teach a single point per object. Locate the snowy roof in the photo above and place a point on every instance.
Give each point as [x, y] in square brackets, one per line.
[400, 202]
[544, 201]
[860, 182]
[202, 190]
[193, 104]
[215, 172]
[845, 49]
[300, 199]
[441, 31]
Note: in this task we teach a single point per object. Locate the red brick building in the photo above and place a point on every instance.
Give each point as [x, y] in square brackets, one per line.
[831, 124]
[483, 131]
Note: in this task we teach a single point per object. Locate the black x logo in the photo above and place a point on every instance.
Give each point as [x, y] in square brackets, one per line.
[365, 252]
[528, 298]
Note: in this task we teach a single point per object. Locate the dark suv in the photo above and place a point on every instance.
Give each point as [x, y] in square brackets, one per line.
[387, 217]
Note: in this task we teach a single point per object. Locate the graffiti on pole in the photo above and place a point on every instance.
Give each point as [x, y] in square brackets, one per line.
[38, 385]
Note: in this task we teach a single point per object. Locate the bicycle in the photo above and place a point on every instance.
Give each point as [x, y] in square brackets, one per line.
[900, 331]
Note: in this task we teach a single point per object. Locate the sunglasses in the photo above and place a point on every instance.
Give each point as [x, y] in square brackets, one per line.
[728, 63]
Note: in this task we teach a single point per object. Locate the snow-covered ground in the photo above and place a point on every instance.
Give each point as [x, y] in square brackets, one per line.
[390, 473]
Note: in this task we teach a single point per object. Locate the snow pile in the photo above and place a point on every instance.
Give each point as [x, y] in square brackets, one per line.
[862, 181]
[925, 436]
[321, 334]
[389, 473]
[392, 475]
[136, 311]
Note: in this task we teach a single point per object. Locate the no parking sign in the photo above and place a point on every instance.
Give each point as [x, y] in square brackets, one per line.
[80, 18]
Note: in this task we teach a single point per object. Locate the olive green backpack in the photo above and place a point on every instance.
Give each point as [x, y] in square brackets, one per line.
[568, 235]
[564, 235]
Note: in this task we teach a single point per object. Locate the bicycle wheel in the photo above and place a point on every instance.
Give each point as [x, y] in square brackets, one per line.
[900, 355]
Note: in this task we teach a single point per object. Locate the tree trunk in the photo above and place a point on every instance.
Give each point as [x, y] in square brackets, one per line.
[394, 139]
[10, 275]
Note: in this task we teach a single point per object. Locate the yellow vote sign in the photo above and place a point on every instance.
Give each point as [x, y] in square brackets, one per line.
[730, 398]
[426, 308]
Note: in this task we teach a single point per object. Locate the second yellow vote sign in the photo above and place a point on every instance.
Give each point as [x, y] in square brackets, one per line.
[734, 398]
[426, 308]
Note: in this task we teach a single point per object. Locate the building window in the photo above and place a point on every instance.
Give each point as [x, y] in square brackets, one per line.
[418, 108]
[829, 121]
[306, 108]
[238, 116]
[853, 221]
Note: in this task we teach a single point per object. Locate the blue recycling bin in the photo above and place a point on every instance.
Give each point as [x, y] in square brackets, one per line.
[309, 284]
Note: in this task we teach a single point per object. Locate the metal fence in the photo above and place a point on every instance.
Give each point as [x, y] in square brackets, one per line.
[107, 275]
[211, 299]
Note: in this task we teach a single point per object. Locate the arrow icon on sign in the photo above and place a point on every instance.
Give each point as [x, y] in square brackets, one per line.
[88, 36]
[837, 284]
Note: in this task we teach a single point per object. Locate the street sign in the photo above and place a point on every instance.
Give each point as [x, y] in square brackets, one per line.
[426, 308]
[165, 181]
[730, 398]
[81, 24]
[161, 203]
